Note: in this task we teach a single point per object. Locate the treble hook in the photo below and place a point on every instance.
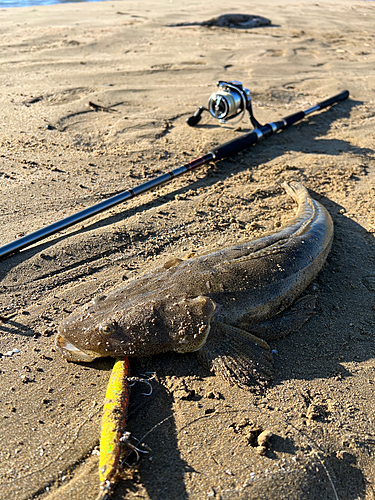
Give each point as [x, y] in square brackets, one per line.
[133, 381]
[125, 438]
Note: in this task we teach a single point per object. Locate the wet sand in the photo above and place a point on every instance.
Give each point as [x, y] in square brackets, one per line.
[59, 156]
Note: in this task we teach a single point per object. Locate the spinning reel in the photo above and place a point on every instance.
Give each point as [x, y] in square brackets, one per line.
[229, 102]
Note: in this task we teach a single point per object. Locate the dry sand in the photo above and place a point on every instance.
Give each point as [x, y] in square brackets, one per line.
[59, 156]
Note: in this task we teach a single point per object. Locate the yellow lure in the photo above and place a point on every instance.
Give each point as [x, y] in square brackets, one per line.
[114, 421]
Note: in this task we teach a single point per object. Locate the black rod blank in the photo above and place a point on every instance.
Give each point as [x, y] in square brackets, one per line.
[225, 150]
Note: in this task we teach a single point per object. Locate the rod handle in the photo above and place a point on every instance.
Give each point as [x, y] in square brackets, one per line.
[336, 98]
[294, 118]
[234, 146]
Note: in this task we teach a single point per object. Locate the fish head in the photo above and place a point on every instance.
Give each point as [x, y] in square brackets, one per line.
[146, 326]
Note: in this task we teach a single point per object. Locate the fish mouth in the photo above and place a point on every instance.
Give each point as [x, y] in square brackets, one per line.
[71, 352]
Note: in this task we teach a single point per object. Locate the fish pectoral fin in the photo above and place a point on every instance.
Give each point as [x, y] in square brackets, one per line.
[232, 354]
[284, 323]
[234, 331]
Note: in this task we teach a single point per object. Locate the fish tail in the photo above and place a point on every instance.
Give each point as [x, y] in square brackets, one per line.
[295, 190]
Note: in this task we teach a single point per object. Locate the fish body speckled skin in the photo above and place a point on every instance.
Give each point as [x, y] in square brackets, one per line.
[218, 304]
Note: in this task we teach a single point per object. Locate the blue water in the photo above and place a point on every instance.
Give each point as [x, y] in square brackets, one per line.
[32, 3]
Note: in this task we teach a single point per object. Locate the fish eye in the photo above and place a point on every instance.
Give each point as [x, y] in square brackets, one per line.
[107, 328]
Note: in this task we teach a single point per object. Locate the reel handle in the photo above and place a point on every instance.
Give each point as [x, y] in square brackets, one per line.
[196, 117]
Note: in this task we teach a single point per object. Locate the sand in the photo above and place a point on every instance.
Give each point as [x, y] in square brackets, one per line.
[59, 156]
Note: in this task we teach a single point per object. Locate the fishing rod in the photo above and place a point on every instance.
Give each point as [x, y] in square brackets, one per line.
[231, 101]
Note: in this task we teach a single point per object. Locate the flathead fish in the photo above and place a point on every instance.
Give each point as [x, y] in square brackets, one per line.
[225, 305]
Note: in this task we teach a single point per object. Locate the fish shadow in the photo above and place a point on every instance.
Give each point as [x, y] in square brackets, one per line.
[342, 328]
